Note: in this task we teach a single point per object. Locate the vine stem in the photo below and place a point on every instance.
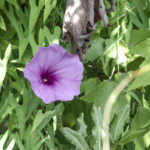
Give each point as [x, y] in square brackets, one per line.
[111, 100]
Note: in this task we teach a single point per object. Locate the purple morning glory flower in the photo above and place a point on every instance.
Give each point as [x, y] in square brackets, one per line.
[54, 74]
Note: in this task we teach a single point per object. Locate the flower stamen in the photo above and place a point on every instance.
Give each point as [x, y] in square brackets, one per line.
[45, 80]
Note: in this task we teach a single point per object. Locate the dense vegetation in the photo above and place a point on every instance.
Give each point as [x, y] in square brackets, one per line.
[26, 123]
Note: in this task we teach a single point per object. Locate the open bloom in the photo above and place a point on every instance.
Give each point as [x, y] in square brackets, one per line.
[54, 74]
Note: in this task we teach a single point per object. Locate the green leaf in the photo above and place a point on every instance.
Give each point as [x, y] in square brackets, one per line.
[97, 130]
[23, 18]
[19, 83]
[14, 2]
[52, 38]
[95, 50]
[50, 143]
[39, 118]
[82, 126]
[37, 142]
[10, 14]
[2, 24]
[33, 142]
[128, 32]
[115, 31]
[23, 40]
[32, 43]
[56, 35]
[135, 97]
[88, 85]
[6, 109]
[3, 64]
[118, 123]
[32, 106]
[21, 111]
[41, 38]
[11, 145]
[138, 36]
[49, 5]
[142, 142]
[47, 34]
[19, 143]
[136, 21]
[141, 119]
[118, 52]
[1, 4]
[122, 101]
[139, 127]
[75, 138]
[130, 136]
[141, 12]
[57, 111]
[34, 13]
[140, 81]
[100, 93]
[3, 140]
[142, 49]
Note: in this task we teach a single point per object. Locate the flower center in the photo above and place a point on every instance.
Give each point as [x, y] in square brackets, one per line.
[48, 78]
[45, 80]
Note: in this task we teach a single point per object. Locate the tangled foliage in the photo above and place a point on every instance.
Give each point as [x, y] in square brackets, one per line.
[27, 123]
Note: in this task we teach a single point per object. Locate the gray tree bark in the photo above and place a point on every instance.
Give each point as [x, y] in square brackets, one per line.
[80, 21]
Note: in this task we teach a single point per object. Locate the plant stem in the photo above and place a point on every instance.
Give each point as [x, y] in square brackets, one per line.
[111, 100]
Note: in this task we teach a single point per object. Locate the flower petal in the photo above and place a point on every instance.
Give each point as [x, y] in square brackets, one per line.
[44, 92]
[70, 68]
[32, 71]
[50, 56]
[65, 90]
[48, 95]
